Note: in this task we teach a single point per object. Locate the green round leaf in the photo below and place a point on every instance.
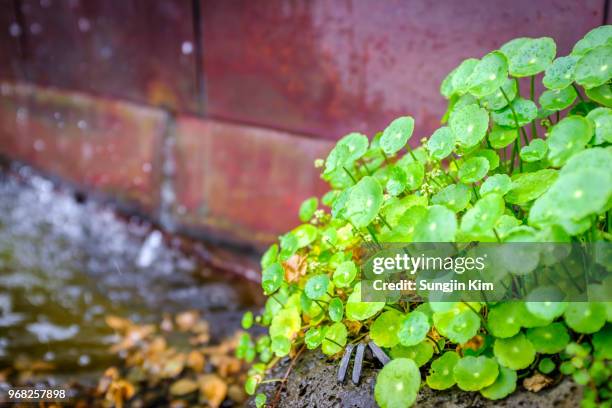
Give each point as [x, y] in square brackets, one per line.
[441, 143]
[397, 384]
[473, 169]
[561, 73]
[281, 346]
[358, 310]
[420, 353]
[549, 339]
[602, 342]
[529, 186]
[545, 302]
[525, 111]
[546, 366]
[594, 68]
[497, 100]
[504, 385]
[364, 201]
[585, 317]
[500, 137]
[475, 373]
[481, 218]
[272, 277]
[305, 234]
[335, 339]
[413, 329]
[345, 274]
[490, 155]
[247, 320]
[314, 337]
[461, 76]
[286, 323]
[260, 400]
[504, 319]
[601, 94]
[385, 328]
[397, 134]
[396, 183]
[316, 286]
[515, 352]
[441, 372]
[602, 119]
[574, 196]
[469, 124]
[269, 257]
[536, 150]
[497, 183]
[488, 75]
[308, 208]
[557, 99]
[454, 196]
[415, 173]
[438, 225]
[336, 309]
[529, 56]
[458, 327]
[288, 245]
[250, 385]
[596, 37]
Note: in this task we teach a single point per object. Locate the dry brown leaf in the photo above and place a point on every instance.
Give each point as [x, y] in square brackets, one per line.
[183, 386]
[195, 361]
[295, 268]
[213, 389]
[537, 382]
[353, 327]
[117, 323]
[475, 343]
[119, 392]
[173, 366]
[186, 320]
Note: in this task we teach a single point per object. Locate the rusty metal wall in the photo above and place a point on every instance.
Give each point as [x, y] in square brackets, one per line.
[251, 91]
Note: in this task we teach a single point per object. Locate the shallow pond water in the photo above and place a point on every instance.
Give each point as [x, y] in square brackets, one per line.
[66, 263]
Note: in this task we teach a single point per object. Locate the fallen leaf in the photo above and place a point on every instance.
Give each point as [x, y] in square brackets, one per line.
[186, 320]
[195, 361]
[183, 386]
[536, 382]
[295, 268]
[213, 389]
[475, 343]
[117, 323]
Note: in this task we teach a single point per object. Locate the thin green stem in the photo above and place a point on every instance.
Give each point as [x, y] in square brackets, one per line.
[411, 152]
[577, 92]
[534, 130]
[518, 131]
[350, 175]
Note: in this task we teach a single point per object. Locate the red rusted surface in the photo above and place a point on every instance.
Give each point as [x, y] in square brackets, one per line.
[106, 145]
[243, 182]
[327, 68]
[139, 50]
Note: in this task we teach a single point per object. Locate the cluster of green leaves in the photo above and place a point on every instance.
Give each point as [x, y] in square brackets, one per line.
[503, 167]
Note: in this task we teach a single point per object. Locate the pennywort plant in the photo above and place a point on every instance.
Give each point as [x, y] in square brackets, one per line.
[506, 165]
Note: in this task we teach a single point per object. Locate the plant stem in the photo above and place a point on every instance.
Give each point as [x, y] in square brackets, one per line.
[518, 130]
[350, 175]
[411, 152]
[578, 92]
[534, 130]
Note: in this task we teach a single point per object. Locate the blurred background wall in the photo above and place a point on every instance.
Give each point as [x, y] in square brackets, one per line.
[208, 114]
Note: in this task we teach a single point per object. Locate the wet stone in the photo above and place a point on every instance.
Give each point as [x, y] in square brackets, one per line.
[312, 384]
